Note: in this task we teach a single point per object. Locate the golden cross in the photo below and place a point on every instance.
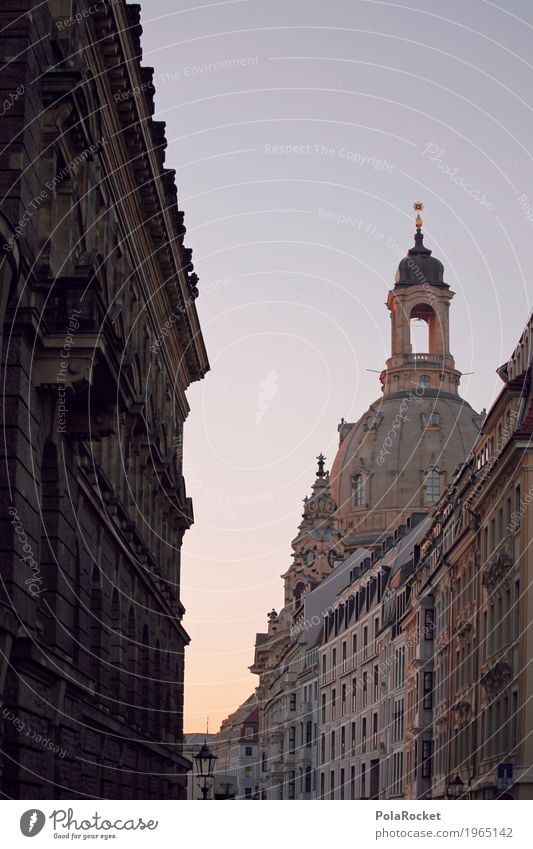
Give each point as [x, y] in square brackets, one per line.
[418, 206]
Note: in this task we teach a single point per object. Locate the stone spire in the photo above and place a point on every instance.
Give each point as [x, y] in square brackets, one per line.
[316, 546]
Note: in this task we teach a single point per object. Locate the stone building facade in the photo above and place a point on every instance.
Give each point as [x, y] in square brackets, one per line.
[474, 579]
[237, 749]
[101, 339]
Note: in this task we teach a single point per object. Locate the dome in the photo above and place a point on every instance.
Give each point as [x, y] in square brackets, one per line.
[398, 459]
[419, 266]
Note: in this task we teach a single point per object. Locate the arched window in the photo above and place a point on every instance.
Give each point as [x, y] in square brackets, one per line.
[358, 490]
[432, 486]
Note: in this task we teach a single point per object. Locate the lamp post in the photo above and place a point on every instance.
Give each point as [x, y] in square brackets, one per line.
[455, 788]
[205, 764]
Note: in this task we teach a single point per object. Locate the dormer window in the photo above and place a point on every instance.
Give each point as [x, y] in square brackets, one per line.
[432, 486]
[358, 490]
[430, 418]
[373, 421]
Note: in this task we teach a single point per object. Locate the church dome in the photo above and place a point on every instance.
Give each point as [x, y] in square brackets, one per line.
[397, 459]
[419, 266]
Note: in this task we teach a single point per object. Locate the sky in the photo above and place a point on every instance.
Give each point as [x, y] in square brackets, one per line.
[301, 134]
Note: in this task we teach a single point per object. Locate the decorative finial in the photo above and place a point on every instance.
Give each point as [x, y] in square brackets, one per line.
[418, 207]
[321, 460]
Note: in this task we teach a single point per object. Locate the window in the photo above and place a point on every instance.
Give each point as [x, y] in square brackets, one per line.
[365, 687]
[354, 694]
[323, 708]
[432, 486]
[354, 648]
[365, 642]
[376, 684]
[424, 381]
[247, 792]
[426, 759]
[334, 660]
[374, 731]
[292, 785]
[248, 731]
[398, 719]
[514, 718]
[516, 609]
[308, 775]
[344, 656]
[428, 691]
[332, 753]
[363, 734]
[343, 700]
[429, 623]
[517, 508]
[352, 783]
[430, 418]
[248, 772]
[292, 701]
[322, 785]
[332, 785]
[322, 748]
[333, 704]
[292, 739]
[248, 751]
[342, 784]
[399, 666]
[352, 741]
[358, 490]
[309, 733]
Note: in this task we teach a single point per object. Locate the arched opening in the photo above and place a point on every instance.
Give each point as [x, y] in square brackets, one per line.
[422, 329]
[298, 593]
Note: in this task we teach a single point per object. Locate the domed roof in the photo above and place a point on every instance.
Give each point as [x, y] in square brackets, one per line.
[397, 459]
[419, 266]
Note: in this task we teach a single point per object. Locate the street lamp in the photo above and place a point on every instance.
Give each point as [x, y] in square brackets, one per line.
[455, 788]
[205, 765]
